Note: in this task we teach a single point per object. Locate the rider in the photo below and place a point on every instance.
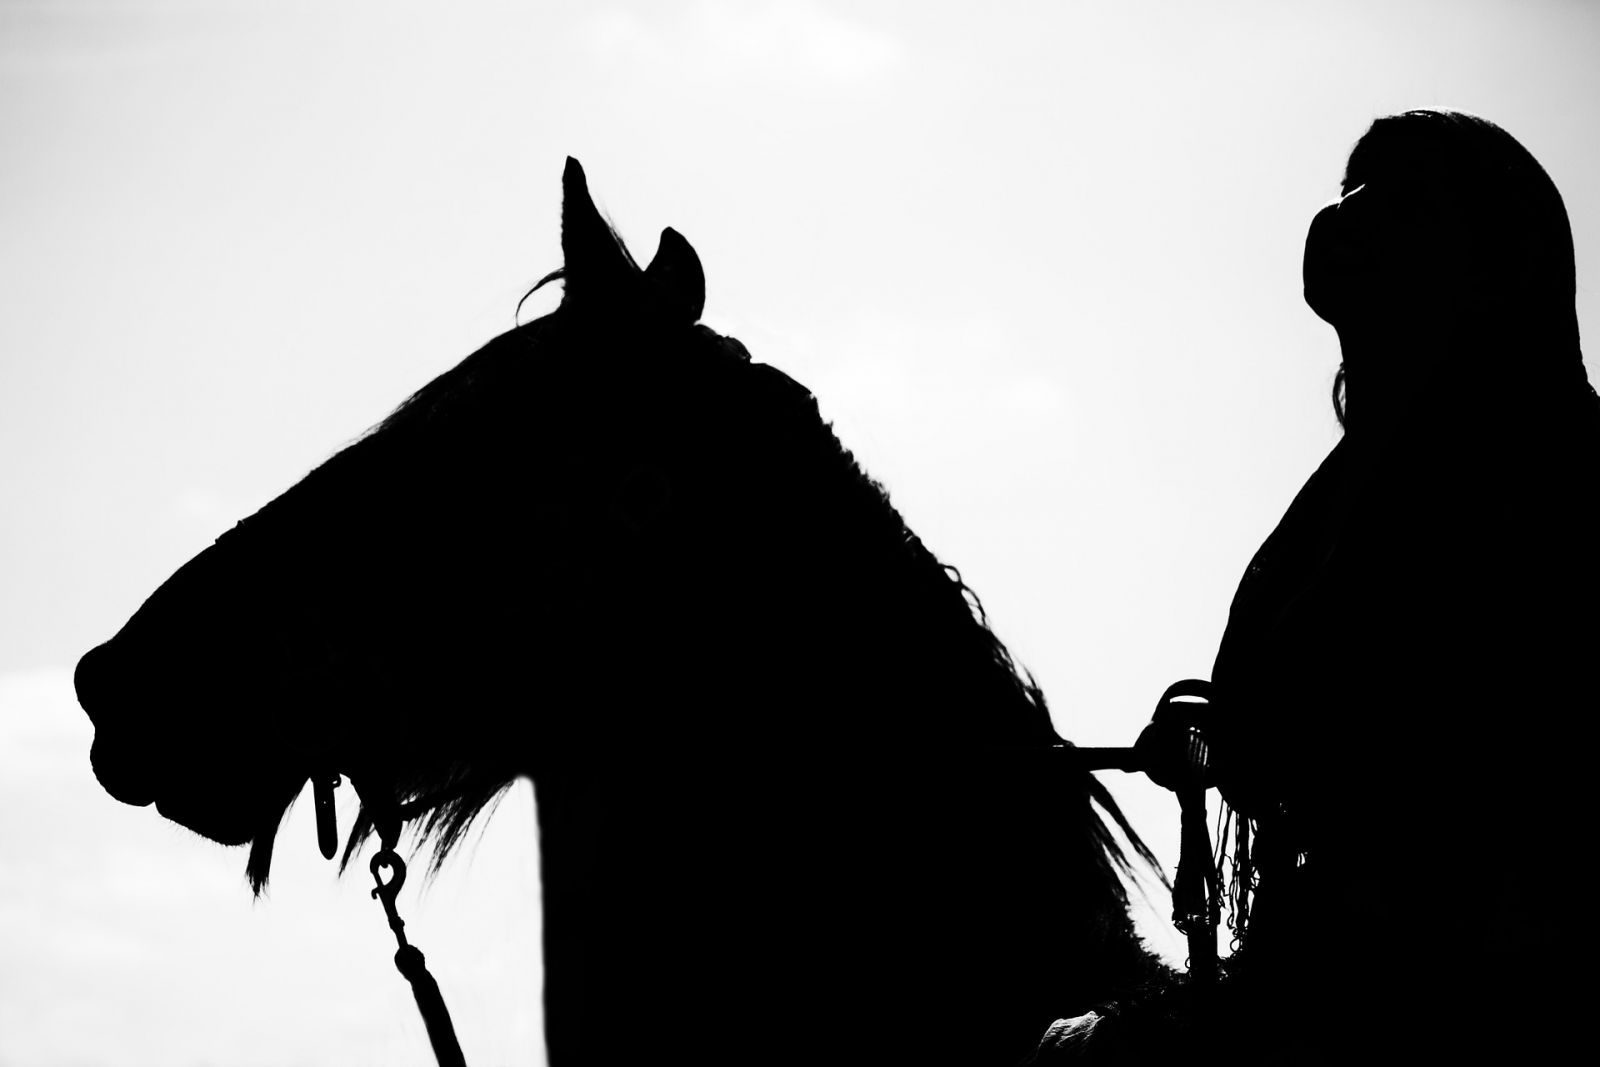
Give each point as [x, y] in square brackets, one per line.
[1401, 692]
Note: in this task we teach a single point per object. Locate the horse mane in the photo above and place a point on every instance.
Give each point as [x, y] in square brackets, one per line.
[448, 800]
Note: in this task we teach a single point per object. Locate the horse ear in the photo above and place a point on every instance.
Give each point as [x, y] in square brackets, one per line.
[676, 271]
[594, 255]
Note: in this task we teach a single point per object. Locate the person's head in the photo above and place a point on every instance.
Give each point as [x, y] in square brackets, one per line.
[1450, 242]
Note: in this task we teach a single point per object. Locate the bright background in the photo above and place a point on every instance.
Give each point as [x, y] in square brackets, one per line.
[1040, 264]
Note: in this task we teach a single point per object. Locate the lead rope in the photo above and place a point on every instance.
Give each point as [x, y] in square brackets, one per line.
[408, 959]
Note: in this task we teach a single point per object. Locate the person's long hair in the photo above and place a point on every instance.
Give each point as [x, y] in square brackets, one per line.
[1520, 239]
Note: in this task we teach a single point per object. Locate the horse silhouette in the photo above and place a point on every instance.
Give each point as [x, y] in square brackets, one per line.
[796, 802]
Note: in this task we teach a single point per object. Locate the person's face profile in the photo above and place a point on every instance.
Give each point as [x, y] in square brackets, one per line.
[1391, 250]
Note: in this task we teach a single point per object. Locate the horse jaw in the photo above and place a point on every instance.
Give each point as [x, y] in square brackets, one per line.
[203, 819]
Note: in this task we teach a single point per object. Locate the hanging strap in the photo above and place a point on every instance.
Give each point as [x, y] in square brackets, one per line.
[1197, 889]
[1176, 754]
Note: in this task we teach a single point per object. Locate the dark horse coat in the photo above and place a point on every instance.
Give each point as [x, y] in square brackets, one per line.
[796, 803]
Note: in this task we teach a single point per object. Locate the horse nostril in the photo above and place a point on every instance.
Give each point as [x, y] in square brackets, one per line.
[88, 679]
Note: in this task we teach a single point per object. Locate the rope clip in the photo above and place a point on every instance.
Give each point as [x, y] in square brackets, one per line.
[386, 892]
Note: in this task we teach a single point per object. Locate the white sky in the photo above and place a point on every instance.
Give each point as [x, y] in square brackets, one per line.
[1040, 264]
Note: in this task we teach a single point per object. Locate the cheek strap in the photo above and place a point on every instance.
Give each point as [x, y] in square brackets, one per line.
[322, 787]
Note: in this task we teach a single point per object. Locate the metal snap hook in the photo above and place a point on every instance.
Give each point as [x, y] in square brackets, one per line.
[385, 892]
[386, 857]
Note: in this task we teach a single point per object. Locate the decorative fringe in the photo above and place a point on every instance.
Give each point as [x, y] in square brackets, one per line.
[1241, 875]
[1197, 889]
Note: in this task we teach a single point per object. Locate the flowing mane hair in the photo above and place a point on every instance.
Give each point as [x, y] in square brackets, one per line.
[447, 798]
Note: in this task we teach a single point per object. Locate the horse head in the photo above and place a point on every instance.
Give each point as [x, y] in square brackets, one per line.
[498, 540]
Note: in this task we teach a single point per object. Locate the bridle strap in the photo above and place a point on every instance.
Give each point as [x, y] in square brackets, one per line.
[322, 787]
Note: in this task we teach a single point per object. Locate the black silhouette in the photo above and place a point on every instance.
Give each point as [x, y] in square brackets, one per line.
[796, 803]
[1406, 667]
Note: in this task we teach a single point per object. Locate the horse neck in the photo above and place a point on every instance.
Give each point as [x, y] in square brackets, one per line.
[695, 892]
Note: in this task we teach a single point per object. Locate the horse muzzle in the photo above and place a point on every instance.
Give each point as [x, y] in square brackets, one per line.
[114, 755]
[128, 758]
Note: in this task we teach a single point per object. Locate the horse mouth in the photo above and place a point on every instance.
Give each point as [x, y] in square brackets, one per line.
[204, 822]
[124, 778]
[154, 745]
[133, 773]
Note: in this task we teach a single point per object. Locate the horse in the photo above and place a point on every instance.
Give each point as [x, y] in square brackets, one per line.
[796, 802]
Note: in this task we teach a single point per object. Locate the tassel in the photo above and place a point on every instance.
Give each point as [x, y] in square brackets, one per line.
[435, 1016]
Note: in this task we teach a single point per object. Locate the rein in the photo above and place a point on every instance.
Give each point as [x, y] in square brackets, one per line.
[408, 959]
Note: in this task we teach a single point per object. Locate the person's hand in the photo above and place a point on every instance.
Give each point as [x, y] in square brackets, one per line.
[1173, 753]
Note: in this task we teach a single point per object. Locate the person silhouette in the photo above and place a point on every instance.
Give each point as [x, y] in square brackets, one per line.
[1405, 712]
